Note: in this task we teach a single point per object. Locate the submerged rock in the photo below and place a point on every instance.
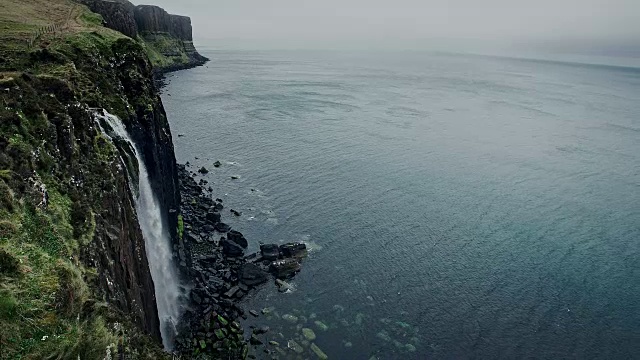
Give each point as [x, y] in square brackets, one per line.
[284, 286]
[254, 340]
[319, 353]
[322, 326]
[203, 170]
[290, 318]
[308, 334]
[217, 164]
[267, 310]
[293, 345]
[384, 336]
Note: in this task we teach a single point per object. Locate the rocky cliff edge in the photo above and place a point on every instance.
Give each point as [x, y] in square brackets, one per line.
[74, 275]
[168, 39]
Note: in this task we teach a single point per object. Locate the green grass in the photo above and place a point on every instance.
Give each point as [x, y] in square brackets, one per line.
[91, 19]
[50, 303]
[164, 50]
[180, 226]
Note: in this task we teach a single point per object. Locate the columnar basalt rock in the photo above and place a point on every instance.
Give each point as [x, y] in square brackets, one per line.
[181, 27]
[117, 15]
[170, 36]
[152, 19]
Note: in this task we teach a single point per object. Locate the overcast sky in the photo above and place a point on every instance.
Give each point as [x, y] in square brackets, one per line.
[611, 24]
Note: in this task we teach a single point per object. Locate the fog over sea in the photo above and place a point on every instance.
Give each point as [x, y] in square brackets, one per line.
[455, 206]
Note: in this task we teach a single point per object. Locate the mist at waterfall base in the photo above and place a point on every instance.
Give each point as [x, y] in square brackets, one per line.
[458, 206]
[157, 240]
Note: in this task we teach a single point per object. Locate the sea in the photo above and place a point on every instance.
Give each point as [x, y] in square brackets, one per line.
[454, 206]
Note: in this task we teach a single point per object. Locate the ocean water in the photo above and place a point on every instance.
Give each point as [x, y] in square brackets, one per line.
[456, 206]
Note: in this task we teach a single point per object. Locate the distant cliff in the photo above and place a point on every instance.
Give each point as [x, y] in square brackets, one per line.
[167, 38]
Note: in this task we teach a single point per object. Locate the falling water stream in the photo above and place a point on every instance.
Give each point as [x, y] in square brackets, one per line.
[156, 235]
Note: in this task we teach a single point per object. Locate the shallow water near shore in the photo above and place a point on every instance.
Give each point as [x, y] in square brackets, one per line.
[456, 206]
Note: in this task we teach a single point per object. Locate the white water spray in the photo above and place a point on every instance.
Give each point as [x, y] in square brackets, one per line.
[156, 236]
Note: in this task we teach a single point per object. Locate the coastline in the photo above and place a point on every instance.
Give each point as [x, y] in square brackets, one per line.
[69, 196]
[213, 262]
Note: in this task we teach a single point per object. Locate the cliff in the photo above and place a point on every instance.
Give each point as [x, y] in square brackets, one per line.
[74, 274]
[117, 15]
[168, 39]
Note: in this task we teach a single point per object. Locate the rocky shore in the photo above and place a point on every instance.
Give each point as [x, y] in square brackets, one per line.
[213, 262]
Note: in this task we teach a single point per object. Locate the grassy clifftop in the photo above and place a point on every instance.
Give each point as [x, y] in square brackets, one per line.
[60, 182]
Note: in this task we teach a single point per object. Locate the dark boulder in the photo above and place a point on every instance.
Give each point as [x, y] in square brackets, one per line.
[252, 275]
[297, 250]
[254, 340]
[238, 238]
[231, 249]
[196, 298]
[232, 291]
[222, 227]
[217, 164]
[284, 268]
[203, 170]
[261, 330]
[270, 251]
[213, 217]
[193, 238]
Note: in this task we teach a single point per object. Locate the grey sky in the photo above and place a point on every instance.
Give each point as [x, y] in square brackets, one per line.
[411, 23]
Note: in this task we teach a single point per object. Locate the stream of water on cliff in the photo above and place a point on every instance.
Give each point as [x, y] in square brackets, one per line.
[157, 240]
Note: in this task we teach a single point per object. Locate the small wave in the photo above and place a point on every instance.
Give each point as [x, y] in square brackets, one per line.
[405, 111]
[312, 246]
[622, 127]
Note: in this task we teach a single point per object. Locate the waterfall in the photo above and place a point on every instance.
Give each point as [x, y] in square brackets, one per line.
[156, 235]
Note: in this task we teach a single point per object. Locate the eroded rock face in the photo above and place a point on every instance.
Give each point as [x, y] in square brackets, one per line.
[181, 27]
[150, 18]
[123, 16]
[82, 166]
[118, 15]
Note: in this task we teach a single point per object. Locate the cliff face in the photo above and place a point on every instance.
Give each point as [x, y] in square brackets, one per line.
[117, 15]
[181, 27]
[168, 38]
[72, 256]
[152, 19]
